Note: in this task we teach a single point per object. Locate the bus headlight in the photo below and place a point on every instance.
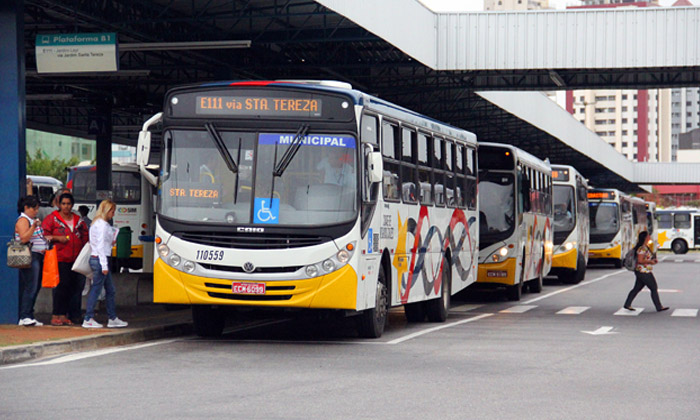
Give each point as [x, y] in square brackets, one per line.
[568, 246]
[311, 271]
[163, 250]
[174, 260]
[500, 255]
[337, 261]
[188, 266]
[328, 266]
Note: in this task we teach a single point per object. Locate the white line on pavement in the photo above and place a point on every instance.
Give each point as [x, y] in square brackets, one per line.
[625, 312]
[86, 355]
[685, 312]
[429, 330]
[583, 283]
[574, 310]
[518, 309]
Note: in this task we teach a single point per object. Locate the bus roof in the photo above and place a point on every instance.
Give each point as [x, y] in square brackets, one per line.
[45, 180]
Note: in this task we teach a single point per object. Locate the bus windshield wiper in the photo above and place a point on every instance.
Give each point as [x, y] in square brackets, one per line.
[292, 151]
[219, 142]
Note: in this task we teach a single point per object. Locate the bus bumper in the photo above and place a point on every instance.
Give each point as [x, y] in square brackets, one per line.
[501, 273]
[614, 252]
[337, 290]
[566, 259]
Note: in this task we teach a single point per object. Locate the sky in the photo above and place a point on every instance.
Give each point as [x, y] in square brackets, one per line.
[464, 5]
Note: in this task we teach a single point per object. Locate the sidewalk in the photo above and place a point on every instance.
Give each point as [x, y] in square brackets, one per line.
[147, 321]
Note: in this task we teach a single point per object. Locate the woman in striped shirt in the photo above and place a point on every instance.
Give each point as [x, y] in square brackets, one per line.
[28, 230]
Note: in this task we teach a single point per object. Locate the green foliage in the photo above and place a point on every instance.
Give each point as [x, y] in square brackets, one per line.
[41, 165]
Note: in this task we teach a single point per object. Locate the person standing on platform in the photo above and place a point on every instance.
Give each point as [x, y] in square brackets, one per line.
[69, 234]
[102, 237]
[643, 275]
[28, 230]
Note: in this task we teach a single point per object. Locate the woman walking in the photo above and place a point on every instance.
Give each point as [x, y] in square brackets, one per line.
[643, 275]
[102, 237]
[28, 230]
[69, 234]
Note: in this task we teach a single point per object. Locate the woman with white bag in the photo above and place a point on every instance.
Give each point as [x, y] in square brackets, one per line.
[102, 237]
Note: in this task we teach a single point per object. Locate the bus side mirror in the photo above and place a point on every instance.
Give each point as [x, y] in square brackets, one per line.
[375, 167]
[143, 148]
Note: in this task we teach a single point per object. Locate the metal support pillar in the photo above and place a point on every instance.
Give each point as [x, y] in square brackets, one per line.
[103, 153]
[12, 160]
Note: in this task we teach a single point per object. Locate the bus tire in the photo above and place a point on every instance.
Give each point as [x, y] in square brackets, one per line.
[438, 309]
[535, 286]
[580, 269]
[208, 322]
[679, 246]
[414, 312]
[371, 322]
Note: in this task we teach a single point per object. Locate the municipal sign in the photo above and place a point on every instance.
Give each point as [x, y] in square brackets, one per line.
[73, 53]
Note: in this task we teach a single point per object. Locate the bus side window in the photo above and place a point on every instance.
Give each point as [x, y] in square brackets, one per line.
[408, 166]
[369, 129]
[390, 150]
[470, 171]
[425, 192]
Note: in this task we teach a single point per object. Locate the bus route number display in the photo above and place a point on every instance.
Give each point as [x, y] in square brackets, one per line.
[258, 105]
[601, 195]
[560, 175]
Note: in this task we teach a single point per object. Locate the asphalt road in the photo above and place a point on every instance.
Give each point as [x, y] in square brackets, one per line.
[492, 359]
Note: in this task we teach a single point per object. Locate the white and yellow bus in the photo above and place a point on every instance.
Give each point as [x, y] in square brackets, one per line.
[134, 199]
[678, 229]
[616, 219]
[515, 219]
[652, 224]
[571, 234]
[310, 195]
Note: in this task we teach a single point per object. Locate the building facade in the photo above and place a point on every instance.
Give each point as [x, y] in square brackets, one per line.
[501, 5]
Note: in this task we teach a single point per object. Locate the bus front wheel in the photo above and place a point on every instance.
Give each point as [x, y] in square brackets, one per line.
[371, 322]
[679, 246]
[208, 322]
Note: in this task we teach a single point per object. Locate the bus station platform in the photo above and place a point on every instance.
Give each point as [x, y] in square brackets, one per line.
[147, 321]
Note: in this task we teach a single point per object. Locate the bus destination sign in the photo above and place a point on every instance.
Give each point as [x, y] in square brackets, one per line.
[601, 195]
[258, 106]
[560, 175]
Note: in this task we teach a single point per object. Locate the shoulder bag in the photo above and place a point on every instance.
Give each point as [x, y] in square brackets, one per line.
[82, 262]
[19, 255]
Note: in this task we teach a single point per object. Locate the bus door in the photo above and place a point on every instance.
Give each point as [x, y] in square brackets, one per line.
[696, 231]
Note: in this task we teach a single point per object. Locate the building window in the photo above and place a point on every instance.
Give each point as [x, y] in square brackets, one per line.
[624, 132]
[624, 144]
[635, 108]
[624, 121]
[624, 97]
[624, 109]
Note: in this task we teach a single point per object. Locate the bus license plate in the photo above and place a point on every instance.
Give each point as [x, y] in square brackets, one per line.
[245, 288]
[491, 273]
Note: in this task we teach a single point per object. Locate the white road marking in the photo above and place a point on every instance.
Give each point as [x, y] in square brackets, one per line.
[89, 354]
[574, 310]
[583, 283]
[519, 309]
[664, 290]
[465, 308]
[678, 260]
[429, 330]
[625, 312]
[685, 312]
[601, 331]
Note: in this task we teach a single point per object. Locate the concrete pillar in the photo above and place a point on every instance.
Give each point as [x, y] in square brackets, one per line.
[12, 140]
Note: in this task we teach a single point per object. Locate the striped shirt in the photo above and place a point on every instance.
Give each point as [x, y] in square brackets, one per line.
[37, 240]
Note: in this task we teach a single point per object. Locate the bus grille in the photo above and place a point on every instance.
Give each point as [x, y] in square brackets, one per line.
[234, 269]
[601, 238]
[251, 241]
[231, 296]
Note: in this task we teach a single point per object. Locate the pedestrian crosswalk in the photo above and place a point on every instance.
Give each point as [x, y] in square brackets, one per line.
[577, 310]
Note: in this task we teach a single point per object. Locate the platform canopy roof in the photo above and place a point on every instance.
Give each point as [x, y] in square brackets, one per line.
[297, 39]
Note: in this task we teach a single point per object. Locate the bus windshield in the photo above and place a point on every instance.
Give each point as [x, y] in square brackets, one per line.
[564, 214]
[318, 187]
[604, 217]
[496, 211]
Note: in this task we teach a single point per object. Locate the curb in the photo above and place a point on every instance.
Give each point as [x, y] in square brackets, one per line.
[23, 353]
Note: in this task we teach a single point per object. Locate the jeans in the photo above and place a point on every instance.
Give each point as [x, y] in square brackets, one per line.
[99, 281]
[30, 285]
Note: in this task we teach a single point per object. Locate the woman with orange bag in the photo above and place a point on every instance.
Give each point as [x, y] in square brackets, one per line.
[69, 234]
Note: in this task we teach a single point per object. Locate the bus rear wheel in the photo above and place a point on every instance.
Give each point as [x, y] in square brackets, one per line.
[371, 322]
[438, 309]
[679, 246]
[208, 321]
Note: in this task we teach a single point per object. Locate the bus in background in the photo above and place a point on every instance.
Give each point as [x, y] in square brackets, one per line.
[44, 188]
[571, 233]
[310, 195]
[616, 219]
[134, 199]
[678, 229]
[515, 219]
[652, 224]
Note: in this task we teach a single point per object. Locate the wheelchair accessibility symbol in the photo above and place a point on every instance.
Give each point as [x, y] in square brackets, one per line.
[266, 210]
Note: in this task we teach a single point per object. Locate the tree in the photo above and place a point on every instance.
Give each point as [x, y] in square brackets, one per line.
[41, 165]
